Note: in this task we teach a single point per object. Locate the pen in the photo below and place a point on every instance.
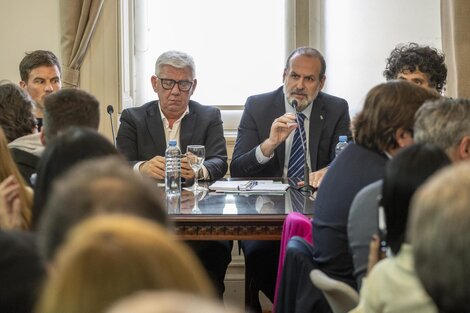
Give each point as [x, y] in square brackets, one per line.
[248, 185]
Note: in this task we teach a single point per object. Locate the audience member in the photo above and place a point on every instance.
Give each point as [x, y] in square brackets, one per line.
[168, 302]
[269, 142]
[392, 285]
[71, 147]
[19, 124]
[67, 108]
[438, 228]
[40, 76]
[109, 257]
[96, 186]
[421, 65]
[21, 272]
[444, 123]
[145, 131]
[16, 198]
[380, 130]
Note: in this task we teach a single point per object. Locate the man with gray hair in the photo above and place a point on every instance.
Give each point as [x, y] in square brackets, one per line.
[145, 131]
[445, 123]
[438, 231]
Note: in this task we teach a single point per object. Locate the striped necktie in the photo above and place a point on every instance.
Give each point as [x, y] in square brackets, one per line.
[297, 153]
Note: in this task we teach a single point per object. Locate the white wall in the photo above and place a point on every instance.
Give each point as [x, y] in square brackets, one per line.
[360, 34]
[26, 25]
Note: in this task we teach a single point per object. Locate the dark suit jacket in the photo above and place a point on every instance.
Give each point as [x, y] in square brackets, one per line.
[26, 162]
[354, 168]
[329, 119]
[141, 135]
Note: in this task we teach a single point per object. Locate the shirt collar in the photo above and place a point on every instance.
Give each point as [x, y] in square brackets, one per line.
[290, 109]
[165, 120]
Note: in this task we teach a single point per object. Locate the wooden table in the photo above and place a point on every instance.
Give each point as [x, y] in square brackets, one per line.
[233, 216]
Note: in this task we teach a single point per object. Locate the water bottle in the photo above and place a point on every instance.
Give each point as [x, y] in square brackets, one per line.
[173, 203]
[172, 169]
[341, 145]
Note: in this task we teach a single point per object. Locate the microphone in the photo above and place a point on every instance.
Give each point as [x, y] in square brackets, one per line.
[110, 111]
[306, 188]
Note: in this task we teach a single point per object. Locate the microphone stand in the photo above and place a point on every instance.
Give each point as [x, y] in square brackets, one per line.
[110, 110]
[306, 189]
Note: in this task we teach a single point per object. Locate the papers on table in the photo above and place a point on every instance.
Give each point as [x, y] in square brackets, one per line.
[249, 186]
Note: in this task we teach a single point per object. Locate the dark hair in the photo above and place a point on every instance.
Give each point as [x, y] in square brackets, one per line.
[310, 52]
[388, 107]
[408, 170]
[36, 59]
[69, 107]
[71, 147]
[16, 116]
[107, 185]
[412, 57]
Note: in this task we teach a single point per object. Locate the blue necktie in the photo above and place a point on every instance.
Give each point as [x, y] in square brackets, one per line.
[297, 154]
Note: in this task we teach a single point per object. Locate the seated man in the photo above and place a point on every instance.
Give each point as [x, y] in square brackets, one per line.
[145, 131]
[269, 142]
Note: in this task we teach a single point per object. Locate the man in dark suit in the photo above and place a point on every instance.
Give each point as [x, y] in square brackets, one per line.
[145, 131]
[266, 137]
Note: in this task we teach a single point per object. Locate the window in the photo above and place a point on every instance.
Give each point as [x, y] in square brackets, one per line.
[238, 46]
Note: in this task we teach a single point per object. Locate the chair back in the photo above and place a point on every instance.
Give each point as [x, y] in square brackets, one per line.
[340, 296]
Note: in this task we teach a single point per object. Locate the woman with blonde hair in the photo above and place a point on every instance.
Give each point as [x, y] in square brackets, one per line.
[16, 199]
[112, 256]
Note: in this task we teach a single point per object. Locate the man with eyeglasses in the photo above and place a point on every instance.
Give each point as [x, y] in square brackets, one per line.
[145, 131]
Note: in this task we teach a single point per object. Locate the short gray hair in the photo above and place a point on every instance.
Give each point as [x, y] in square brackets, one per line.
[176, 59]
[438, 230]
[442, 122]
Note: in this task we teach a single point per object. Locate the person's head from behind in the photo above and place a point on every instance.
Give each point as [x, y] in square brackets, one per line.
[385, 123]
[421, 65]
[408, 170]
[67, 108]
[438, 230]
[16, 115]
[40, 75]
[8, 168]
[445, 123]
[169, 302]
[97, 186]
[304, 76]
[69, 148]
[111, 256]
[174, 82]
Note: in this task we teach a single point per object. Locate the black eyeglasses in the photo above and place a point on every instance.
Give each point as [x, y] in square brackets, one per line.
[168, 84]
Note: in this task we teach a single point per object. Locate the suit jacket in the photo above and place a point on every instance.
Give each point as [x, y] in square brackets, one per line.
[354, 168]
[141, 135]
[328, 120]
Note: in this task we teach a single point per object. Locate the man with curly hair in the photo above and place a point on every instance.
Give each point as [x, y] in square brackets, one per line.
[422, 65]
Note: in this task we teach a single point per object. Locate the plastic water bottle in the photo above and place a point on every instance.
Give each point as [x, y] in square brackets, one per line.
[172, 169]
[341, 145]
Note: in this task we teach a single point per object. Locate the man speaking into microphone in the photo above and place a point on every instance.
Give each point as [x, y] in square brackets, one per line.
[270, 136]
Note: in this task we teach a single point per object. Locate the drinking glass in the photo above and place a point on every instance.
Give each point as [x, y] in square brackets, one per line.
[195, 155]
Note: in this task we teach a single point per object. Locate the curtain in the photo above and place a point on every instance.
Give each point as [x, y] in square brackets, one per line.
[78, 19]
[455, 24]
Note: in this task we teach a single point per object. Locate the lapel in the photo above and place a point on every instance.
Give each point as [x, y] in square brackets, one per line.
[279, 109]
[188, 127]
[317, 120]
[155, 128]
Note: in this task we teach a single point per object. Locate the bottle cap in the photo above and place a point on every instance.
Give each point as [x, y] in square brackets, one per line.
[172, 142]
[343, 138]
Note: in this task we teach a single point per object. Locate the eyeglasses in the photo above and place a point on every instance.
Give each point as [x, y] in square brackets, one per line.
[168, 84]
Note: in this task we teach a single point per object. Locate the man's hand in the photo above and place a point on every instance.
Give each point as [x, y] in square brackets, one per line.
[187, 171]
[315, 178]
[154, 167]
[280, 130]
